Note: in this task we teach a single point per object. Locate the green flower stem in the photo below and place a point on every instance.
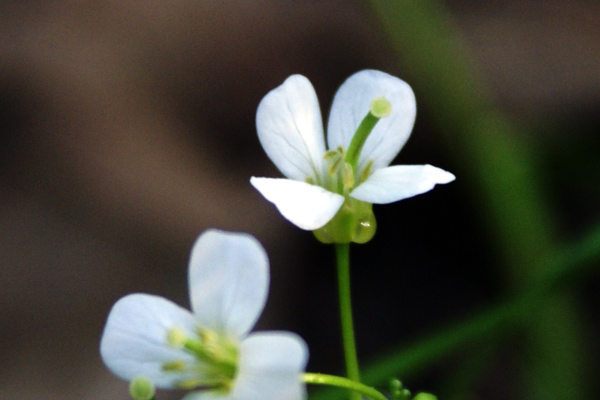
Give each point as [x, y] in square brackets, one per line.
[337, 381]
[570, 267]
[343, 266]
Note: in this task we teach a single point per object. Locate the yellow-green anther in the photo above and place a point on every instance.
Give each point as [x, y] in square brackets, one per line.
[348, 175]
[366, 172]
[189, 384]
[176, 337]
[207, 336]
[330, 154]
[380, 107]
[141, 388]
[174, 366]
[309, 180]
[196, 347]
[212, 383]
[334, 164]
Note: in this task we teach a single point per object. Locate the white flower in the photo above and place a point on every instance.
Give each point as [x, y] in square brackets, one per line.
[210, 350]
[290, 130]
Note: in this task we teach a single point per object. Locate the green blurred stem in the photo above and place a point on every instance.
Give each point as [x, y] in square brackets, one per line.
[342, 252]
[570, 267]
[337, 381]
[500, 164]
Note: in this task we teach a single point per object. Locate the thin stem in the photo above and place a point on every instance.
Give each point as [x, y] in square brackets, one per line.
[569, 267]
[343, 266]
[332, 380]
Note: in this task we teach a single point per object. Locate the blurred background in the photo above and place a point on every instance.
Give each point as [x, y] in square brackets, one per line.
[127, 129]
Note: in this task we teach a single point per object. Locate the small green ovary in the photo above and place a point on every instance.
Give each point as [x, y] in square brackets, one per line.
[354, 222]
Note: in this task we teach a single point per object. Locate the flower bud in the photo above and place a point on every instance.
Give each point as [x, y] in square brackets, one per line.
[141, 388]
[424, 396]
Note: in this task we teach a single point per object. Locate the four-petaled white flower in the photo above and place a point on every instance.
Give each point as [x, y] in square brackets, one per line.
[210, 350]
[290, 130]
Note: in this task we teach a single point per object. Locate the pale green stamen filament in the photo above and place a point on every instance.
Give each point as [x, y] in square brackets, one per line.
[175, 366]
[217, 357]
[366, 172]
[348, 175]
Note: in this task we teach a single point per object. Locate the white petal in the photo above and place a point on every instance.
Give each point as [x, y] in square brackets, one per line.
[351, 104]
[307, 206]
[290, 129]
[206, 395]
[399, 182]
[270, 365]
[134, 341]
[229, 281]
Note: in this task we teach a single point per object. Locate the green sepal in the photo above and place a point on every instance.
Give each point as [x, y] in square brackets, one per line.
[354, 222]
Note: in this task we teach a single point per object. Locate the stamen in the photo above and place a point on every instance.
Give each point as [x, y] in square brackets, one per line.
[217, 358]
[174, 366]
[334, 160]
[366, 172]
[334, 166]
[348, 175]
[329, 154]
[176, 337]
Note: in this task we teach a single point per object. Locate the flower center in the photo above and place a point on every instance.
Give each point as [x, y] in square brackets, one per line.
[215, 367]
[354, 222]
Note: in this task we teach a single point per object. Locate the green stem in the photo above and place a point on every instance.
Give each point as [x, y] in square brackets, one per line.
[343, 266]
[571, 266]
[332, 380]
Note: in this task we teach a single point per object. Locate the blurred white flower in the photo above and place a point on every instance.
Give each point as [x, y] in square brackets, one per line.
[319, 181]
[209, 351]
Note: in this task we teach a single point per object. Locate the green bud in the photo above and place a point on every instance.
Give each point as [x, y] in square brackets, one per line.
[395, 384]
[424, 396]
[141, 388]
[354, 222]
[380, 107]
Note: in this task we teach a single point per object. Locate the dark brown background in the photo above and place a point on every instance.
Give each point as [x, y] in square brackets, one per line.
[127, 128]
